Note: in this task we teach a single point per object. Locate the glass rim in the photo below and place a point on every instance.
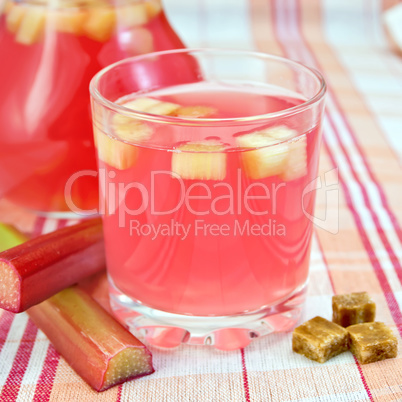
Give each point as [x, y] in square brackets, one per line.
[98, 97]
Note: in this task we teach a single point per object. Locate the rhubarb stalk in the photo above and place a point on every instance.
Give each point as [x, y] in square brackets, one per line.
[95, 345]
[9, 237]
[41, 267]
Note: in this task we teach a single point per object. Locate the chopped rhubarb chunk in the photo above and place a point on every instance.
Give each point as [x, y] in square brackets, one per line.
[200, 160]
[32, 26]
[268, 158]
[14, 17]
[130, 129]
[114, 152]
[95, 345]
[194, 111]
[154, 106]
[163, 108]
[6, 7]
[41, 267]
[278, 152]
[119, 154]
[132, 15]
[281, 133]
[68, 21]
[153, 7]
[100, 23]
[296, 164]
[141, 104]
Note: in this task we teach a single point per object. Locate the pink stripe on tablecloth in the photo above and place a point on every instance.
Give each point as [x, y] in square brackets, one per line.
[45, 382]
[62, 223]
[12, 386]
[245, 376]
[366, 387]
[38, 226]
[6, 320]
[118, 398]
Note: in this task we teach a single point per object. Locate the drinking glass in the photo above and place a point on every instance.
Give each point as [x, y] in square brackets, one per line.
[205, 157]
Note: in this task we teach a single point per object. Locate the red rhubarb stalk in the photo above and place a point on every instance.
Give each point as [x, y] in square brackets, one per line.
[41, 267]
[95, 345]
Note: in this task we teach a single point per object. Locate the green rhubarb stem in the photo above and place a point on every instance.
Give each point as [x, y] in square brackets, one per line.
[10, 237]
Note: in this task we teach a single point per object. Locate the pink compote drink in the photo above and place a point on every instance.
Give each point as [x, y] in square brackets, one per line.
[206, 174]
[49, 51]
[203, 225]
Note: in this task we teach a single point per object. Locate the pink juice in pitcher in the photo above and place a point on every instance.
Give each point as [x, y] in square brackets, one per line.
[205, 215]
[49, 51]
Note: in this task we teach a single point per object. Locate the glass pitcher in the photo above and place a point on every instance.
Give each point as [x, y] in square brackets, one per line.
[49, 51]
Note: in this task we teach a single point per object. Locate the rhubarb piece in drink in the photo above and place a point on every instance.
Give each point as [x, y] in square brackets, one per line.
[154, 106]
[32, 26]
[68, 21]
[132, 15]
[200, 160]
[153, 7]
[100, 23]
[5, 7]
[120, 154]
[41, 267]
[296, 164]
[115, 153]
[92, 342]
[14, 17]
[266, 157]
[273, 156]
[195, 111]
[372, 341]
[149, 105]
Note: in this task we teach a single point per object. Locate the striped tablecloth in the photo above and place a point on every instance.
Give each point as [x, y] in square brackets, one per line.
[356, 247]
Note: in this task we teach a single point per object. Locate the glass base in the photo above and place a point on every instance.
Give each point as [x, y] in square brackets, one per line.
[167, 330]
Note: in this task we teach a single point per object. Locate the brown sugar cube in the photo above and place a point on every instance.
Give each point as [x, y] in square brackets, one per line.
[320, 339]
[353, 308]
[372, 341]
